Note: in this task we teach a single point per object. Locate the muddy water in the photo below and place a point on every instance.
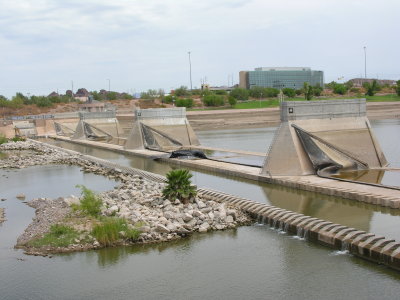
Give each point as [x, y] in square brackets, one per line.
[251, 262]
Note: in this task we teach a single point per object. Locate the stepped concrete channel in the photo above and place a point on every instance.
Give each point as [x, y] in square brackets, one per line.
[362, 244]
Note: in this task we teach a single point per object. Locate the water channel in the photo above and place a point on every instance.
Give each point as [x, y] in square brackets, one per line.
[252, 262]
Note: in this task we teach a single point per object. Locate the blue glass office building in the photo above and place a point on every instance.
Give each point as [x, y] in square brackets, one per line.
[281, 78]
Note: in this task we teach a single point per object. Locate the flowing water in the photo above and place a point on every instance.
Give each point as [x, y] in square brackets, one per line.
[249, 262]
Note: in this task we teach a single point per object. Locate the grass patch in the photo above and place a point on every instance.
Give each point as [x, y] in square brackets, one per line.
[113, 229]
[59, 236]
[383, 98]
[90, 203]
[3, 139]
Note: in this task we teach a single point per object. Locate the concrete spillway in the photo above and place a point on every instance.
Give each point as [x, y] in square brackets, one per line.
[335, 132]
[98, 126]
[161, 129]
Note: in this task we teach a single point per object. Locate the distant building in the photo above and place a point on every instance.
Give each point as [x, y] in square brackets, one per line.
[358, 82]
[280, 77]
[92, 105]
[82, 95]
[53, 94]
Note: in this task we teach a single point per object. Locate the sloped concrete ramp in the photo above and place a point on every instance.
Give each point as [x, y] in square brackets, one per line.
[337, 128]
[98, 126]
[161, 129]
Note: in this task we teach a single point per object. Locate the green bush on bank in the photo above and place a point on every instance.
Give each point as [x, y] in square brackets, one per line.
[213, 100]
[179, 186]
[3, 139]
[90, 204]
[110, 230]
[188, 103]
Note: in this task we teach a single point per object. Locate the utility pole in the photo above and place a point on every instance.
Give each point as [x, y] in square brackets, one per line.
[109, 85]
[365, 61]
[72, 88]
[190, 72]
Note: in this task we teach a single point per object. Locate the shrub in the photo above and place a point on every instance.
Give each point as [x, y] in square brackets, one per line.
[168, 99]
[182, 91]
[232, 101]
[18, 139]
[291, 93]
[398, 87]
[179, 186]
[113, 229]
[240, 94]
[339, 89]
[3, 139]
[355, 90]
[59, 236]
[90, 204]
[213, 100]
[184, 102]
[221, 92]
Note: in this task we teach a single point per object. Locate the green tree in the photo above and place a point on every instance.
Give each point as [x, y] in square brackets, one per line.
[371, 88]
[150, 94]
[398, 87]
[339, 88]
[291, 93]
[232, 101]
[182, 91]
[240, 94]
[179, 186]
[257, 92]
[221, 92]
[318, 90]
[41, 101]
[213, 100]
[188, 103]
[308, 91]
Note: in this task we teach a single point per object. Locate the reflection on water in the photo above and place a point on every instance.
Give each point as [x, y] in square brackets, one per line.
[118, 255]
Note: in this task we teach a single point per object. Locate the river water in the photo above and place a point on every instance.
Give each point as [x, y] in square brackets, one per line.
[251, 262]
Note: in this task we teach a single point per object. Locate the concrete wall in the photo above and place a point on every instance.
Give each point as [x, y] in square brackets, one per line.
[341, 123]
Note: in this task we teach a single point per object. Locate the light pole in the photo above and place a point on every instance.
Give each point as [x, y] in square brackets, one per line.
[109, 85]
[365, 61]
[190, 71]
[260, 98]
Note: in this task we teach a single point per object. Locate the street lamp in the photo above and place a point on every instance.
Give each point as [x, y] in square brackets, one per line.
[365, 61]
[109, 85]
[260, 98]
[190, 71]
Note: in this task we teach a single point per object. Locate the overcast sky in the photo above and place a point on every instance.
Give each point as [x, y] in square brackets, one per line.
[142, 44]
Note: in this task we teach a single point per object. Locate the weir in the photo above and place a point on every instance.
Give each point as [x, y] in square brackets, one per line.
[314, 140]
[315, 136]
[161, 129]
[98, 126]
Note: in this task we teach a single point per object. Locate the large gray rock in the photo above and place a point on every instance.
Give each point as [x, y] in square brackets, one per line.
[169, 215]
[162, 229]
[204, 227]
[187, 217]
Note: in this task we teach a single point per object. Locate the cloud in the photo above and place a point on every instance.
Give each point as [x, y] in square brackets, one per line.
[144, 44]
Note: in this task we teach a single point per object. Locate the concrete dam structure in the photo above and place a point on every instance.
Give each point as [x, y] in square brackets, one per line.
[318, 135]
[161, 129]
[97, 126]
